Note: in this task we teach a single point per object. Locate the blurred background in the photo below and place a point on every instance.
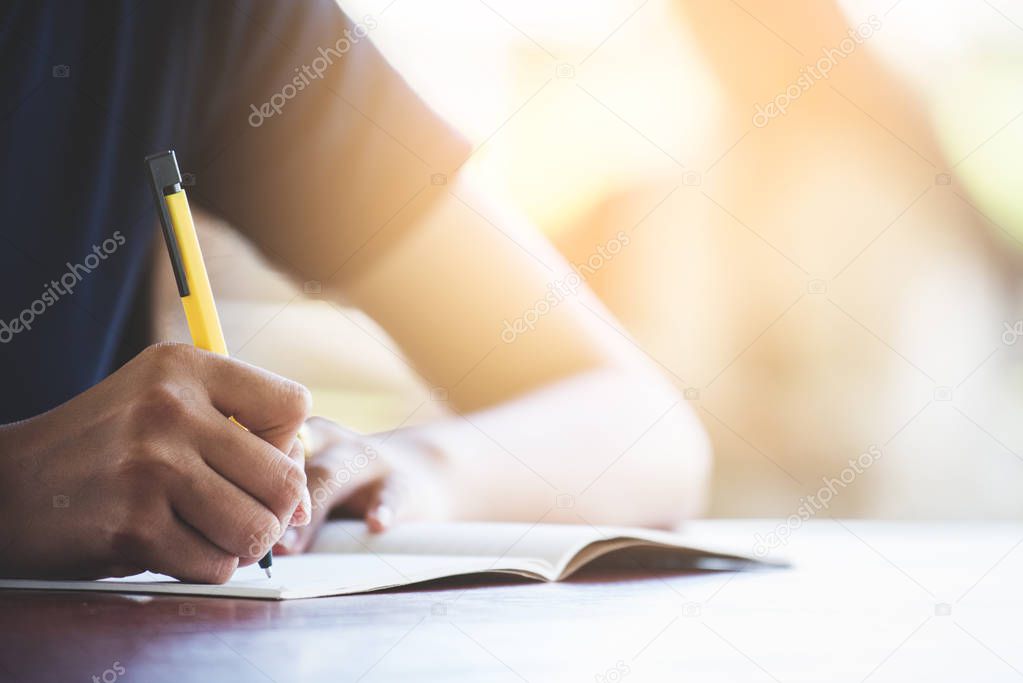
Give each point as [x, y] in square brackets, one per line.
[826, 212]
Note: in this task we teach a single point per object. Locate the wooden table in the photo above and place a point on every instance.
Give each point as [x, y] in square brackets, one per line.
[866, 600]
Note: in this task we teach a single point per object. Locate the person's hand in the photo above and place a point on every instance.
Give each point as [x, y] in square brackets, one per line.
[144, 471]
[384, 479]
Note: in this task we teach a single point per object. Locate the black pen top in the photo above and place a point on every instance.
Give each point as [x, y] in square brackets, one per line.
[166, 179]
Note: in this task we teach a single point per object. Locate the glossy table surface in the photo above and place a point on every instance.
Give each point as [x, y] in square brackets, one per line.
[871, 601]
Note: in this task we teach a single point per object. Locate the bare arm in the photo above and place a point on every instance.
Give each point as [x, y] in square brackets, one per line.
[549, 397]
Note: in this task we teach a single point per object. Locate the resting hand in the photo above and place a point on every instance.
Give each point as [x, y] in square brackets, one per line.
[384, 479]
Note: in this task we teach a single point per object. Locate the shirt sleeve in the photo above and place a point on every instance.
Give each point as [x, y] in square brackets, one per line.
[310, 143]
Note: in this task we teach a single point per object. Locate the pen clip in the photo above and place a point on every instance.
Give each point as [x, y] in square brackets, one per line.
[166, 179]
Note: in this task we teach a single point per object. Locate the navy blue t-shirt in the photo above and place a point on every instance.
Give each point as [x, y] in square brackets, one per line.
[286, 121]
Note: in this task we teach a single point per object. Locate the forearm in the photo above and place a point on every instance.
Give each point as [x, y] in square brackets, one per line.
[566, 407]
[602, 447]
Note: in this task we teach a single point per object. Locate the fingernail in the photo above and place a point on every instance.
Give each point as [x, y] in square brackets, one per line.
[300, 517]
[303, 514]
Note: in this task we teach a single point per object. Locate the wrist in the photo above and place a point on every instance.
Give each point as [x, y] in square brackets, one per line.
[19, 477]
[18, 444]
[416, 443]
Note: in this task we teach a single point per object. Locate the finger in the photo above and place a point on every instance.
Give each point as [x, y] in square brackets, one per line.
[303, 512]
[384, 508]
[336, 480]
[327, 495]
[267, 404]
[181, 552]
[298, 539]
[121, 570]
[225, 515]
[341, 469]
[251, 464]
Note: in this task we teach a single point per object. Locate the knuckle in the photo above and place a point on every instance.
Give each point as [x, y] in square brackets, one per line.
[289, 480]
[297, 400]
[151, 466]
[134, 541]
[166, 357]
[163, 401]
[294, 479]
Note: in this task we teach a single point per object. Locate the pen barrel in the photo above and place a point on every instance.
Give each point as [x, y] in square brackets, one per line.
[200, 308]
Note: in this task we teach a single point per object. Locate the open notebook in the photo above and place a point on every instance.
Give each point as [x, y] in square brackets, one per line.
[347, 559]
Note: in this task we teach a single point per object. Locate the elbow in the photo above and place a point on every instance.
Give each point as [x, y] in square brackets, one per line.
[663, 479]
[683, 468]
[669, 476]
[694, 481]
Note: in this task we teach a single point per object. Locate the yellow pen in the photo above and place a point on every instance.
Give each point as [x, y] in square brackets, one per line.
[186, 260]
